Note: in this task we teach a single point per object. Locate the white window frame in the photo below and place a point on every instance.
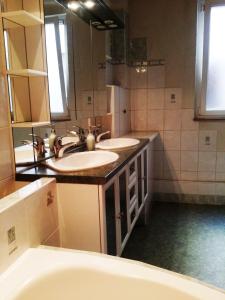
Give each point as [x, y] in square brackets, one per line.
[65, 115]
[202, 59]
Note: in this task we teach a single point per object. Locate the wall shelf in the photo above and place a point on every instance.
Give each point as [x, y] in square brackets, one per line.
[30, 124]
[26, 73]
[22, 17]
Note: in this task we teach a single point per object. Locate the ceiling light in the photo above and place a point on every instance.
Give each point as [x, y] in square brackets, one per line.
[73, 5]
[108, 22]
[89, 3]
[95, 23]
[101, 27]
[113, 25]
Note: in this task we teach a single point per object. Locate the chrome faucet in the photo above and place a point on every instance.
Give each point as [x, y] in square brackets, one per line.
[38, 144]
[81, 133]
[59, 148]
[101, 135]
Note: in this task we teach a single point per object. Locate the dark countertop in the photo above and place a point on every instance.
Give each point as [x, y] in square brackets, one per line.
[99, 175]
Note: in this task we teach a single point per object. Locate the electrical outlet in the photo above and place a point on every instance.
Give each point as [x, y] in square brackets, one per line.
[89, 100]
[11, 235]
[173, 98]
[207, 140]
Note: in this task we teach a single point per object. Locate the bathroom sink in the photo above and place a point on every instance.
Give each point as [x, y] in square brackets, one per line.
[117, 143]
[82, 161]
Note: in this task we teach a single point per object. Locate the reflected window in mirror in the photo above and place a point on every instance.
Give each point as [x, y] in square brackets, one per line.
[57, 59]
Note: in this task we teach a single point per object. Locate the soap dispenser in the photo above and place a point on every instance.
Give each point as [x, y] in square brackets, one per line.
[51, 139]
[90, 138]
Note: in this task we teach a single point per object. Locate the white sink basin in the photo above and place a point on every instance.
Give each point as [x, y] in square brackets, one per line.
[82, 161]
[119, 143]
[24, 155]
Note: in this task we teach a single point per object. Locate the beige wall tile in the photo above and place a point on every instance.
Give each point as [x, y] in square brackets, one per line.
[155, 119]
[207, 162]
[172, 140]
[206, 176]
[220, 140]
[186, 175]
[206, 188]
[156, 99]
[140, 117]
[220, 162]
[172, 160]
[187, 120]
[188, 187]
[173, 98]
[172, 120]
[171, 174]
[158, 164]
[156, 77]
[189, 161]
[139, 99]
[220, 176]
[189, 140]
[220, 189]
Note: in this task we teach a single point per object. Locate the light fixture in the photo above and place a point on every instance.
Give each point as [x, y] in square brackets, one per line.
[108, 22]
[141, 67]
[89, 4]
[73, 5]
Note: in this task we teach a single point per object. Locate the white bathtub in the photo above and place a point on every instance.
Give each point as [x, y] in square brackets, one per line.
[61, 274]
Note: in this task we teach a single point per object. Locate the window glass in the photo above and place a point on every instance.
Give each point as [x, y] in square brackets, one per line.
[55, 91]
[215, 91]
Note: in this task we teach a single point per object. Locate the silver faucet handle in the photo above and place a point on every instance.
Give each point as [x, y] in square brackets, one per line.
[81, 133]
[101, 135]
[39, 145]
[39, 139]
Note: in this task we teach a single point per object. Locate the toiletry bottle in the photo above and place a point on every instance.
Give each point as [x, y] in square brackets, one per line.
[51, 139]
[90, 138]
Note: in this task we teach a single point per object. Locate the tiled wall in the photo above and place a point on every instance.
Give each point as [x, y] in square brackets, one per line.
[6, 157]
[32, 211]
[189, 155]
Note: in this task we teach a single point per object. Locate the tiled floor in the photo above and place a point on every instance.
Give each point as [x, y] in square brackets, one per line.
[185, 238]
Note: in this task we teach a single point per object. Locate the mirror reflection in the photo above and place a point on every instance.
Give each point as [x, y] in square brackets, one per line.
[83, 63]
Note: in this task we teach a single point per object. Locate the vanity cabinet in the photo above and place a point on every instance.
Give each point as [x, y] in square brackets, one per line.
[101, 218]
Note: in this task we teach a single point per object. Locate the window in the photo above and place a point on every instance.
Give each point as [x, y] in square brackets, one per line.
[211, 60]
[57, 60]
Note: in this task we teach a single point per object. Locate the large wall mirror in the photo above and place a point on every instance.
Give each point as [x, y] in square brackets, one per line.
[82, 61]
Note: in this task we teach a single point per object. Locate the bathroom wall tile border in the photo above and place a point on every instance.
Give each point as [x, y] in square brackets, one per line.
[189, 199]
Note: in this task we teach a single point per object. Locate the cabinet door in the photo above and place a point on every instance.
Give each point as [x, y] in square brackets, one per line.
[140, 180]
[110, 213]
[123, 205]
[145, 169]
